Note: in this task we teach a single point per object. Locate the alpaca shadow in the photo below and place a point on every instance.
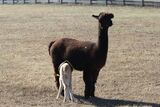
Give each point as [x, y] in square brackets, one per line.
[101, 102]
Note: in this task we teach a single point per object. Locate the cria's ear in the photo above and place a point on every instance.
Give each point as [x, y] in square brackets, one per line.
[95, 16]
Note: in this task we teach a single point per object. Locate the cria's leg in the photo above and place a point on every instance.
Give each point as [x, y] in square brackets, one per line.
[71, 96]
[57, 75]
[68, 93]
[70, 89]
[65, 88]
[60, 89]
[65, 94]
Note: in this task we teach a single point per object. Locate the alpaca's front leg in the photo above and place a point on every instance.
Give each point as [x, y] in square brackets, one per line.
[94, 77]
[92, 90]
[87, 80]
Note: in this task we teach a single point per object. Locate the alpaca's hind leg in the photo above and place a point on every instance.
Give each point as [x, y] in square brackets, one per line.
[56, 62]
[56, 74]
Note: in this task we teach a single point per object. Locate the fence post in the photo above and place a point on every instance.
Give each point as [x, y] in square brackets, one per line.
[142, 2]
[124, 2]
[91, 2]
[75, 1]
[48, 1]
[24, 1]
[106, 2]
[2, 1]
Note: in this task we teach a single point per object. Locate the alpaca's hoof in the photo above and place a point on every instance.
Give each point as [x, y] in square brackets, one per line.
[86, 97]
[93, 95]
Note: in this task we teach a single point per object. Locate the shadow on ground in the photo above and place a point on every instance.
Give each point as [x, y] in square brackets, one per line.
[101, 102]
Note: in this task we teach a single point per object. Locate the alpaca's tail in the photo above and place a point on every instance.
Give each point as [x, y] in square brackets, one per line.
[49, 46]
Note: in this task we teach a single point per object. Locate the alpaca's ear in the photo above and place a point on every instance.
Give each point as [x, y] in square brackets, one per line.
[95, 16]
[111, 15]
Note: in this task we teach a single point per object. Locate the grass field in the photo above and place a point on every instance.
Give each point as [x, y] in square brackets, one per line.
[131, 76]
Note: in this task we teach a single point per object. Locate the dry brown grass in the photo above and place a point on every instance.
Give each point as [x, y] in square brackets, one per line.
[131, 76]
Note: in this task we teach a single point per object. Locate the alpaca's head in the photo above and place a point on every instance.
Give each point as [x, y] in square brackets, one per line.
[104, 19]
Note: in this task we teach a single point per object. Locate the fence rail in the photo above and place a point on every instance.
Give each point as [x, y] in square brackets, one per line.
[155, 3]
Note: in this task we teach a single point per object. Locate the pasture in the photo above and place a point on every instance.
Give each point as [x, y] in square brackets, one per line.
[131, 76]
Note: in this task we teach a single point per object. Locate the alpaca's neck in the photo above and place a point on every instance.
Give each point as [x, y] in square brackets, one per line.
[103, 41]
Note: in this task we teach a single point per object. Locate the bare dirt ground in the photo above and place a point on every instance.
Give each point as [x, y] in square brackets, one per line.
[131, 77]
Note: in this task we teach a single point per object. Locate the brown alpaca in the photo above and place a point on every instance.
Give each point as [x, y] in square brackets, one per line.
[85, 56]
